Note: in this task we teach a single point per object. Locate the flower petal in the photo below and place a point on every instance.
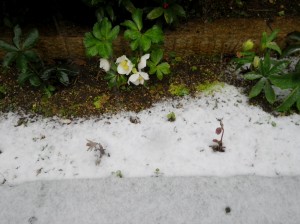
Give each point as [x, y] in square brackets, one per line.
[134, 78]
[124, 65]
[144, 75]
[104, 64]
[143, 61]
[122, 58]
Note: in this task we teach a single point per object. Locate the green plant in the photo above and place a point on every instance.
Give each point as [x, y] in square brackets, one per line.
[293, 45]
[23, 55]
[170, 10]
[265, 70]
[139, 40]
[99, 42]
[29, 64]
[160, 69]
[220, 130]
[171, 117]
[99, 101]
[117, 173]
[289, 81]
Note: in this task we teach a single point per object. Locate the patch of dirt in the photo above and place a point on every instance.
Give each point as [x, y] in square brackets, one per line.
[78, 99]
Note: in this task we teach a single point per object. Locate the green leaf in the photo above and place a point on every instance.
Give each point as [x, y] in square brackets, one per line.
[134, 44]
[291, 50]
[7, 47]
[105, 28]
[17, 36]
[269, 92]
[31, 55]
[278, 67]
[21, 62]
[287, 81]
[252, 76]
[169, 16]
[129, 6]
[64, 78]
[9, 58]
[23, 77]
[145, 43]
[164, 68]
[35, 81]
[105, 49]
[31, 40]
[274, 46]
[155, 13]
[130, 25]
[257, 88]
[132, 34]
[156, 56]
[273, 35]
[113, 33]
[137, 18]
[110, 12]
[295, 36]
[290, 100]
[178, 9]
[155, 34]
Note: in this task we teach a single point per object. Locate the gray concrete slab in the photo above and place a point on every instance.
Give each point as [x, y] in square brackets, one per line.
[248, 199]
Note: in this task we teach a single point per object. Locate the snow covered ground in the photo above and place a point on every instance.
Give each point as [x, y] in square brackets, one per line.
[146, 144]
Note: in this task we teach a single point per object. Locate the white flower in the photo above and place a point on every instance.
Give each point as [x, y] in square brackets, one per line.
[104, 64]
[143, 61]
[138, 78]
[124, 65]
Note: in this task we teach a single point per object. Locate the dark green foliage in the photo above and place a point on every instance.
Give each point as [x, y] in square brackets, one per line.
[160, 69]
[293, 46]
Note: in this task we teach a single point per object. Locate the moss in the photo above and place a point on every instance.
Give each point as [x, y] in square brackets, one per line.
[179, 90]
[99, 101]
[209, 87]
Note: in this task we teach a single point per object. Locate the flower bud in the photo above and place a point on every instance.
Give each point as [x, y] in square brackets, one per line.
[248, 45]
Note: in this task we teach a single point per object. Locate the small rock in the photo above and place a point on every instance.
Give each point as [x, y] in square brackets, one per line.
[65, 121]
[227, 210]
[134, 120]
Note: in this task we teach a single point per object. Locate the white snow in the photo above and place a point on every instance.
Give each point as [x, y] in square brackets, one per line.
[257, 143]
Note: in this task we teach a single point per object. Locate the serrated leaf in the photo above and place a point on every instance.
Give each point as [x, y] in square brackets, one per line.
[278, 67]
[257, 88]
[155, 34]
[132, 34]
[155, 13]
[134, 44]
[113, 33]
[269, 93]
[164, 68]
[17, 36]
[137, 18]
[7, 47]
[23, 77]
[105, 28]
[145, 43]
[252, 76]
[31, 39]
[129, 24]
[156, 56]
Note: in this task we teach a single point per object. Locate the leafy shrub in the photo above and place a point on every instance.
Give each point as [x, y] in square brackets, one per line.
[29, 64]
